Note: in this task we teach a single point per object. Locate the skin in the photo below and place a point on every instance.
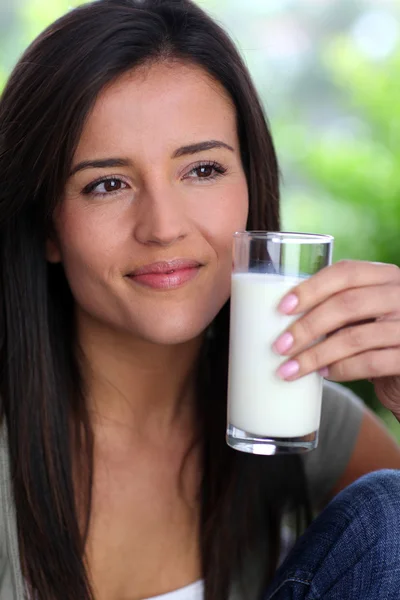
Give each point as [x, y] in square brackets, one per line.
[375, 449]
[142, 344]
[356, 305]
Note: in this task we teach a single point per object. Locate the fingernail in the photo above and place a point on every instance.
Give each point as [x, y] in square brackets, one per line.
[283, 343]
[324, 372]
[288, 304]
[288, 369]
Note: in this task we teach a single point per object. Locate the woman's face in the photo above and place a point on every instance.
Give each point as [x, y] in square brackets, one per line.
[156, 191]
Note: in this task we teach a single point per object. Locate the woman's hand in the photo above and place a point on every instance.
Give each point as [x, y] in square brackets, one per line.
[356, 305]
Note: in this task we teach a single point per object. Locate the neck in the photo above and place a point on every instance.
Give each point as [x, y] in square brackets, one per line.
[137, 386]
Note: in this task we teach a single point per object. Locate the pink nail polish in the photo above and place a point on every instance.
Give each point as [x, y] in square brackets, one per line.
[324, 372]
[288, 304]
[283, 343]
[289, 369]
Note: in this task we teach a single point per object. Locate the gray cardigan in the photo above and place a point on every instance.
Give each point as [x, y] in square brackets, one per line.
[340, 423]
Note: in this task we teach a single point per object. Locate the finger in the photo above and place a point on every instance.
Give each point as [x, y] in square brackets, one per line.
[342, 275]
[344, 344]
[371, 364]
[342, 309]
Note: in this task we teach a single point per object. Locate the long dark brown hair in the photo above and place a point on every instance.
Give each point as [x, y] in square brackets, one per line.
[42, 113]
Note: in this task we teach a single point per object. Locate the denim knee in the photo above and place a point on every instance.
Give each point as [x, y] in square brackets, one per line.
[352, 550]
[374, 500]
[365, 557]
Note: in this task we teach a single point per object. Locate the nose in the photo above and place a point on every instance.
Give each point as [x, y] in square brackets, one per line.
[161, 218]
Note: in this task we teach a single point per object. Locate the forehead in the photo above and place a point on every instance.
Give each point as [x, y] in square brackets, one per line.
[163, 103]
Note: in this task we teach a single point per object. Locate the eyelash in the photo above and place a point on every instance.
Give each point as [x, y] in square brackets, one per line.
[218, 168]
[89, 189]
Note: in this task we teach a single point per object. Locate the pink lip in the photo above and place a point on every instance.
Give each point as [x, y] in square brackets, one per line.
[166, 275]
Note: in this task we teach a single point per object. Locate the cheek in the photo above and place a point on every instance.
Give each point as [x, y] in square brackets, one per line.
[228, 214]
[87, 241]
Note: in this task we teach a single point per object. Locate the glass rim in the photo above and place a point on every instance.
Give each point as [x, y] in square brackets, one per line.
[288, 236]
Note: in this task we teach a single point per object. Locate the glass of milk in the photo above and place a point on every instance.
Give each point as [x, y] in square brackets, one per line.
[267, 415]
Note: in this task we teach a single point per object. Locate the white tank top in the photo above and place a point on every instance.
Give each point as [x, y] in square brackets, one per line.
[194, 591]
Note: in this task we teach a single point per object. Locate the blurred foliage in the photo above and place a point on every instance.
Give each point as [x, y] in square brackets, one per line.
[353, 171]
[3, 77]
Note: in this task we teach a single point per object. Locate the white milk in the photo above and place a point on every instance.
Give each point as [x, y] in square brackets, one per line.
[259, 402]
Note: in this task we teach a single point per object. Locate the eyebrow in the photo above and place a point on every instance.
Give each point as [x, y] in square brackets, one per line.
[104, 163]
[107, 163]
[201, 147]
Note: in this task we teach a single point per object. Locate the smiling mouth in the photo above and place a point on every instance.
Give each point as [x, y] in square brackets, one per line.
[166, 275]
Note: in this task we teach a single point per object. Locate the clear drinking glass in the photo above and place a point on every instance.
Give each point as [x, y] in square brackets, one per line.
[265, 414]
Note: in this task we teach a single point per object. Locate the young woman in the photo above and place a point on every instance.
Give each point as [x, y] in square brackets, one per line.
[132, 146]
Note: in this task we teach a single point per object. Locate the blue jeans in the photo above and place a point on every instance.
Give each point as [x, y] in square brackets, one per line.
[351, 551]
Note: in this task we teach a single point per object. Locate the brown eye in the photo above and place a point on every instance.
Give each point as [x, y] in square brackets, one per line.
[112, 185]
[205, 171]
[106, 187]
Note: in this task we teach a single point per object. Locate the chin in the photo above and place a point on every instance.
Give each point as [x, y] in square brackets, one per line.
[173, 325]
[171, 336]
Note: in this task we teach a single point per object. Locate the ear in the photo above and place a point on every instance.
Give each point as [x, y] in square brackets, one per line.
[53, 254]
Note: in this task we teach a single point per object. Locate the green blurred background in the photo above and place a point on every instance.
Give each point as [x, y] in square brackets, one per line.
[328, 72]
